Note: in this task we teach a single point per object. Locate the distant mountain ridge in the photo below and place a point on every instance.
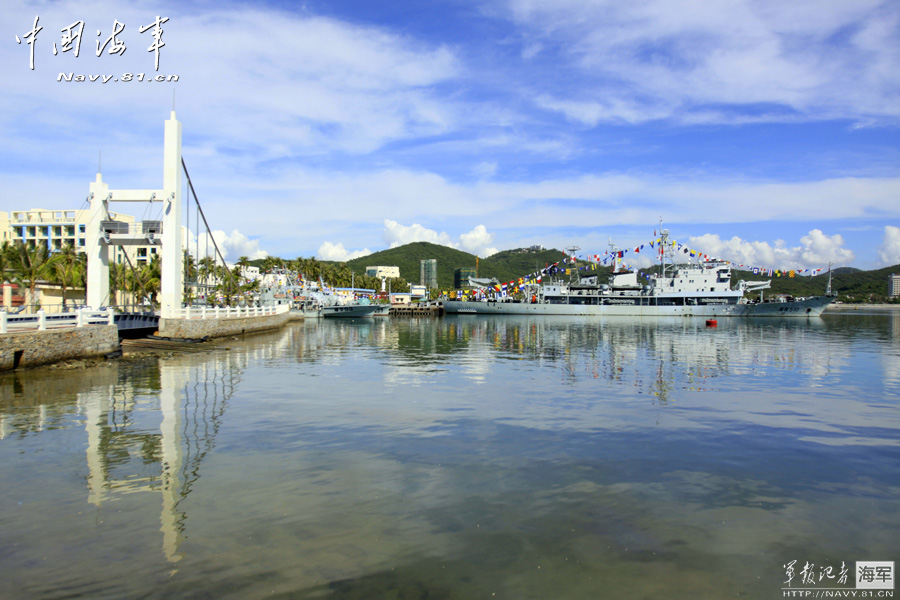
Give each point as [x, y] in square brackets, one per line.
[505, 266]
[509, 265]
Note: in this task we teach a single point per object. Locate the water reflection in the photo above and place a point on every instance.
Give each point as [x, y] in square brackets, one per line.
[148, 425]
[531, 457]
[686, 353]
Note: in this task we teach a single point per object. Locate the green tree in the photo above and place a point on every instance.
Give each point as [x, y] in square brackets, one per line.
[7, 259]
[152, 278]
[190, 267]
[243, 262]
[67, 267]
[32, 264]
[207, 267]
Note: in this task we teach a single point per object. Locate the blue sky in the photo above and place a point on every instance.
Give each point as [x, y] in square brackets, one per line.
[757, 131]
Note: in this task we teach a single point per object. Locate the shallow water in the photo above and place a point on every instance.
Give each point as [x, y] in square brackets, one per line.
[463, 457]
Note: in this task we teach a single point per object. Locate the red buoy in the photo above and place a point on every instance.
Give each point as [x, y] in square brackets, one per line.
[711, 323]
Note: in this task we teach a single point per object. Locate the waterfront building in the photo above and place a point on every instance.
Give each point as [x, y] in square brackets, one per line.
[58, 228]
[55, 229]
[418, 292]
[428, 272]
[389, 272]
[5, 231]
[894, 285]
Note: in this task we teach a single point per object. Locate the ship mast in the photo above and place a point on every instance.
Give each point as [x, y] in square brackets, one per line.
[574, 267]
[615, 254]
[664, 247]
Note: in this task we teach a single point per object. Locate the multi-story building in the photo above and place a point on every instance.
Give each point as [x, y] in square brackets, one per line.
[58, 228]
[894, 285]
[428, 272]
[389, 272]
[461, 277]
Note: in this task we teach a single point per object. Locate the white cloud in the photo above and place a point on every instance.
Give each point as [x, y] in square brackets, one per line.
[591, 113]
[659, 58]
[259, 108]
[486, 169]
[337, 252]
[232, 246]
[476, 241]
[889, 251]
[396, 235]
[236, 245]
[306, 84]
[817, 250]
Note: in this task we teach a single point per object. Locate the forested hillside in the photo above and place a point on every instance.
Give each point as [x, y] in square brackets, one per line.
[853, 285]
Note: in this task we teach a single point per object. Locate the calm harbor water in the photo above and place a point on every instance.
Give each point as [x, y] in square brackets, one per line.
[463, 457]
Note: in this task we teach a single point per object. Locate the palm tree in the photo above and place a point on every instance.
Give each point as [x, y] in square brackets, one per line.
[190, 267]
[66, 266]
[151, 277]
[314, 266]
[7, 256]
[118, 281]
[272, 262]
[32, 264]
[207, 267]
[344, 275]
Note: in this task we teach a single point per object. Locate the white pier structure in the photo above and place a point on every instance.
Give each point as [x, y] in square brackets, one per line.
[101, 232]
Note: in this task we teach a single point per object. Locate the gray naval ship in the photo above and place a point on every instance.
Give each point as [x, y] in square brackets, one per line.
[692, 290]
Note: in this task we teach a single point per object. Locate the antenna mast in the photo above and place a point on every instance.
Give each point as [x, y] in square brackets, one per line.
[574, 268]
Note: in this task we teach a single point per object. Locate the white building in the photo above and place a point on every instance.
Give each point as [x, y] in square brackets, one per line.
[55, 229]
[894, 285]
[58, 228]
[418, 291]
[389, 272]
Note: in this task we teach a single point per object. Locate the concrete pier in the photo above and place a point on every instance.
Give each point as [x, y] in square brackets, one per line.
[33, 348]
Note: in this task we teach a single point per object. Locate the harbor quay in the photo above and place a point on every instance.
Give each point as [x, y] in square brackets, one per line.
[21, 348]
[33, 348]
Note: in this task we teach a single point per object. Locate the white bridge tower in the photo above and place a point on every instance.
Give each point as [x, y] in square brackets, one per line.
[102, 232]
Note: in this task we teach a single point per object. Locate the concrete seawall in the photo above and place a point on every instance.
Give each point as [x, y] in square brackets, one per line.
[200, 328]
[32, 348]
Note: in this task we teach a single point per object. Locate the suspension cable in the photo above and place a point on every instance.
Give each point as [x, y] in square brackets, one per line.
[203, 216]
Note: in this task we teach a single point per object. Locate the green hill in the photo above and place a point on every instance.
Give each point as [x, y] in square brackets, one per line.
[851, 284]
[505, 266]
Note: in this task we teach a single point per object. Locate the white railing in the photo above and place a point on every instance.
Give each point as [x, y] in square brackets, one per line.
[41, 321]
[214, 312]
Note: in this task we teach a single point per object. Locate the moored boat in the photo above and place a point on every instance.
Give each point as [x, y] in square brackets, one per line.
[361, 308]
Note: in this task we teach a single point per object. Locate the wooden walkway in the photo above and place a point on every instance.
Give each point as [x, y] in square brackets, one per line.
[412, 311]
